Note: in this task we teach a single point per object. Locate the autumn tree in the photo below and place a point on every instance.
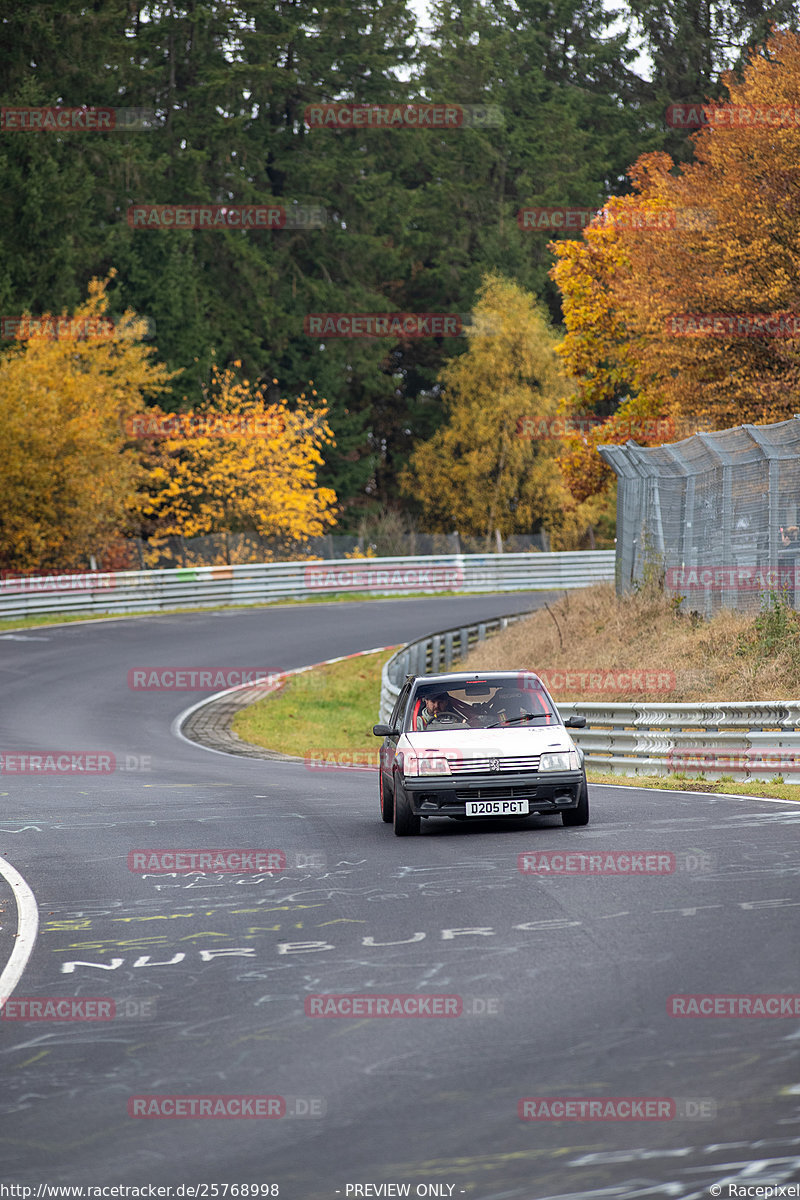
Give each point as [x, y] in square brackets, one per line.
[491, 466]
[412, 219]
[66, 484]
[601, 349]
[690, 47]
[740, 257]
[236, 463]
[716, 238]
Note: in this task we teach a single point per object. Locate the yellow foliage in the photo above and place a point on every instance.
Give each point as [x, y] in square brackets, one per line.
[66, 484]
[477, 474]
[263, 481]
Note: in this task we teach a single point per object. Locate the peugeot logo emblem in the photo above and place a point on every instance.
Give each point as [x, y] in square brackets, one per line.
[494, 764]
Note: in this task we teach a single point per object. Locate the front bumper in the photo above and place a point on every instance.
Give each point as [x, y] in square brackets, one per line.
[447, 795]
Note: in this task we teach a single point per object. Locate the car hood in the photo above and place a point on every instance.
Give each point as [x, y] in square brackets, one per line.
[497, 743]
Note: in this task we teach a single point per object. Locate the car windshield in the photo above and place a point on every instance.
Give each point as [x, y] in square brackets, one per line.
[480, 704]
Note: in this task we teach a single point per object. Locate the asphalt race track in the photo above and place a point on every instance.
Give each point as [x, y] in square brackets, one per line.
[563, 981]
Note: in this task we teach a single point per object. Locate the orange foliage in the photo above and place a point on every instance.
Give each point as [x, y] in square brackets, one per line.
[720, 235]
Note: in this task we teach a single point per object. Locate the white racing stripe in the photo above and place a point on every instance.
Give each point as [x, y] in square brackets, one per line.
[27, 928]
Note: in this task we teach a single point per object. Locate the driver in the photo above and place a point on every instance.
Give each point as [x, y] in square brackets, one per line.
[436, 704]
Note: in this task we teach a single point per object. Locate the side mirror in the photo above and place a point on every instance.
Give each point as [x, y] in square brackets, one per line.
[575, 723]
[384, 731]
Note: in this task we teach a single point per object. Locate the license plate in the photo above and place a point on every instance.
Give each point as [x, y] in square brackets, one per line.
[497, 808]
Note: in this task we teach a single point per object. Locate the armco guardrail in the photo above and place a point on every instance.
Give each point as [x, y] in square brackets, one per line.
[259, 583]
[748, 740]
[437, 652]
[756, 740]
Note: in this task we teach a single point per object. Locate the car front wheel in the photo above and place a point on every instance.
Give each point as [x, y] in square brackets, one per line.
[579, 815]
[406, 823]
[387, 800]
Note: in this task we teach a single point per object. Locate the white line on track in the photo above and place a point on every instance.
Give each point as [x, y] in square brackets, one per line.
[27, 928]
[686, 792]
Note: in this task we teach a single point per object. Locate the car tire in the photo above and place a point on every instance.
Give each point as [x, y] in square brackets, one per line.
[406, 822]
[579, 815]
[387, 800]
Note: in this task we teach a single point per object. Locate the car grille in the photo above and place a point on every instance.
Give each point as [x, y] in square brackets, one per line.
[516, 791]
[483, 766]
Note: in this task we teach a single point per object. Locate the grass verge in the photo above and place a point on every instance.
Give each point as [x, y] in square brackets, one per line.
[334, 707]
[9, 624]
[331, 708]
[698, 783]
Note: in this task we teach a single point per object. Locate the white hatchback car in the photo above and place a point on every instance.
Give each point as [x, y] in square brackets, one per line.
[463, 745]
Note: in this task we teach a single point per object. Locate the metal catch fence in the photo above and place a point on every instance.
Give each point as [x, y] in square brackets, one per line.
[716, 515]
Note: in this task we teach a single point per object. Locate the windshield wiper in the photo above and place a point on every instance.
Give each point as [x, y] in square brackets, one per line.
[516, 720]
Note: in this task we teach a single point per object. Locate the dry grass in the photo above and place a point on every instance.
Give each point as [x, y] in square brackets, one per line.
[732, 657]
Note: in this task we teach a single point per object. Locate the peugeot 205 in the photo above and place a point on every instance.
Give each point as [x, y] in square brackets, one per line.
[463, 746]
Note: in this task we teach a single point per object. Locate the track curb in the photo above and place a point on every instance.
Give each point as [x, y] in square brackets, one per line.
[208, 723]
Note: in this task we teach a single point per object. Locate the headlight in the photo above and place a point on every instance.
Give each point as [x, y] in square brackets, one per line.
[425, 764]
[563, 760]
